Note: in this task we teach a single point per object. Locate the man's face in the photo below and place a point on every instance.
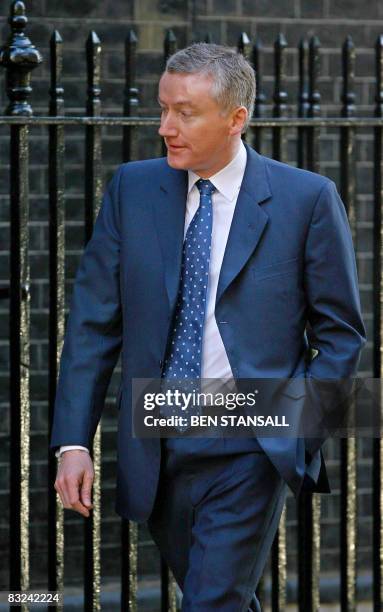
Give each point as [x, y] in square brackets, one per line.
[198, 134]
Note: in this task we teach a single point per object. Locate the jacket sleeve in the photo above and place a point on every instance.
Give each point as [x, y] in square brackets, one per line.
[93, 334]
[336, 328]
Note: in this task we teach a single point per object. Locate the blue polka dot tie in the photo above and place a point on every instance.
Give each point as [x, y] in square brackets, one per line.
[183, 359]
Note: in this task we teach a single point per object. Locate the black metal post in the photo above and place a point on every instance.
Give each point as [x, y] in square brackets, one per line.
[309, 503]
[93, 196]
[260, 96]
[130, 140]
[280, 97]
[303, 101]
[314, 103]
[278, 552]
[129, 531]
[19, 57]
[244, 47]
[377, 470]
[129, 541]
[56, 303]
[170, 47]
[348, 445]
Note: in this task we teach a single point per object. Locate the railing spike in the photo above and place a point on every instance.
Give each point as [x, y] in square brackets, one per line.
[170, 44]
[56, 91]
[131, 99]
[244, 45]
[93, 57]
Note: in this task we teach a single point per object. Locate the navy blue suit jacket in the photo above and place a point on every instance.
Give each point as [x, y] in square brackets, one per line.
[289, 262]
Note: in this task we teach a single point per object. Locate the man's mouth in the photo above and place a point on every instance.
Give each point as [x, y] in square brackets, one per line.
[174, 147]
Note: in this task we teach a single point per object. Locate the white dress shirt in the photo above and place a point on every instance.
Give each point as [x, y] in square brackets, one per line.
[214, 361]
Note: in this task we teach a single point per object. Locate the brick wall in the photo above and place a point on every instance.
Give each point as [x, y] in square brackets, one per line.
[190, 20]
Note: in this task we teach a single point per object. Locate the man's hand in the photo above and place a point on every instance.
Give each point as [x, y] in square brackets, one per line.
[74, 481]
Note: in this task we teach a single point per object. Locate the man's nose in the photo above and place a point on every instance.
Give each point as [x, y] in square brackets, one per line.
[168, 126]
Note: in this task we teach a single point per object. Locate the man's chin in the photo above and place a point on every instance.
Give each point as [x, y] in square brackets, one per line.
[176, 162]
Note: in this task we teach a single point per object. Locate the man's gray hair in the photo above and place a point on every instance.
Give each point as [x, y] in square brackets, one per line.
[233, 76]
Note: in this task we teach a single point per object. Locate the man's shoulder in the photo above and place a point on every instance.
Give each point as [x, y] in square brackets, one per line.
[144, 167]
[287, 174]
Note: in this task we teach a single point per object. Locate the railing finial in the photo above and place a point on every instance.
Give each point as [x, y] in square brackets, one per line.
[19, 57]
[348, 70]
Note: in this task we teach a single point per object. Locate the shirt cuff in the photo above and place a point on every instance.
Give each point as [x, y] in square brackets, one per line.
[62, 449]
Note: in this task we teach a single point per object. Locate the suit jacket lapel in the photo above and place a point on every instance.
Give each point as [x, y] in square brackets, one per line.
[169, 212]
[249, 220]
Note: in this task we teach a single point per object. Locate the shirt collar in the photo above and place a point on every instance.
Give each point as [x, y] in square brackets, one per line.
[227, 180]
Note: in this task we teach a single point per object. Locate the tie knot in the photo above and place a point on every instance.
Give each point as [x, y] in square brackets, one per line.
[205, 187]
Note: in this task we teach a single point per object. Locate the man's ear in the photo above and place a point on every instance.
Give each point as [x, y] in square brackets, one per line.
[238, 120]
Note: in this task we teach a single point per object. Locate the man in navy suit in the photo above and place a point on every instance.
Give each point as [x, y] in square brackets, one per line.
[275, 256]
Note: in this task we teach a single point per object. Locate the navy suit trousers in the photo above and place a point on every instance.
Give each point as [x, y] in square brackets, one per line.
[217, 509]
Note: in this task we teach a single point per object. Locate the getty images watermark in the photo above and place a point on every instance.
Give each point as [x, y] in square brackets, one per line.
[181, 409]
[289, 407]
